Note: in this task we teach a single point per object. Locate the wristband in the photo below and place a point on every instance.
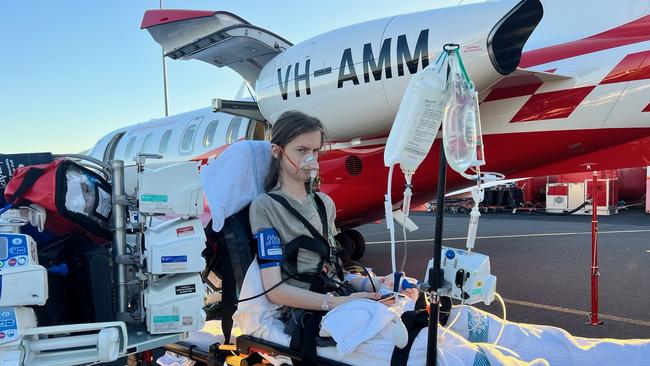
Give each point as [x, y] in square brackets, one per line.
[325, 306]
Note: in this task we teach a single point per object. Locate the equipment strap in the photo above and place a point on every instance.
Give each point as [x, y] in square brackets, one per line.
[414, 321]
[303, 338]
[32, 175]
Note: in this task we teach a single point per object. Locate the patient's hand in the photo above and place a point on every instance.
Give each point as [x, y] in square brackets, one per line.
[338, 300]
[412, 293]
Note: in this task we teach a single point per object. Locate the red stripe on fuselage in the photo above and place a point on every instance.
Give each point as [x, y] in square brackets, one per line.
[629, 33]
[647, 108]
[512, 92]
[635, 66]
[555, 104]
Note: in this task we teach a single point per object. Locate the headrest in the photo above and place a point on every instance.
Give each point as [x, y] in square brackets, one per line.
[235, 178]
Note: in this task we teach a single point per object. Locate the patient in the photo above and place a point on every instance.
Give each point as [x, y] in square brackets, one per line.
[303, 276]
[295, 228]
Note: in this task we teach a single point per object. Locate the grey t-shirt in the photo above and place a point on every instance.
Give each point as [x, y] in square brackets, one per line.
[265, 213]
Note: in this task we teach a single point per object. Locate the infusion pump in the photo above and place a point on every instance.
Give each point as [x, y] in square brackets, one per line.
[23, 280]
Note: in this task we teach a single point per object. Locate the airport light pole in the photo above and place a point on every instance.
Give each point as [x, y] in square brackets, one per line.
[593, 317]
[164, 66]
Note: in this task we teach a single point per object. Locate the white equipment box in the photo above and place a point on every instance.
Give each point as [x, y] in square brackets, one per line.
[466, 276]
[22, 280]
[562, 197]
[175, 247]
[174, 304]
[171, 189]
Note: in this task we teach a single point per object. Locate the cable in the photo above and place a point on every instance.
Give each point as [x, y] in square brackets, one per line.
[388, 207]
[364, 270]
[274, 287]
[503, 324]
[564, 213]
[401, 269]
[4, 209]
[262, 293]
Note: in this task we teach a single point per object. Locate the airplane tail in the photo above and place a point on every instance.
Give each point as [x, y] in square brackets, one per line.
[217, 37]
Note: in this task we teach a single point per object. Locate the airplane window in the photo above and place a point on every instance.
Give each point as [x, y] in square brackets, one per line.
[164, 141]
[233, 130]
[129, 148]
[210, 132]
[187, 142]
[148, 144]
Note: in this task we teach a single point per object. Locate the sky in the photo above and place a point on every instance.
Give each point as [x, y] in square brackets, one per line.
[74, 70]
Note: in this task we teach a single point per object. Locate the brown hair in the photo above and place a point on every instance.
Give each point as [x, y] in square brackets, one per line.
[289, 126]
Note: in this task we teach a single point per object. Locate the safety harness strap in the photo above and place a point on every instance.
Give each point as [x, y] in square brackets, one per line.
[321, 213]
[303, 338]
[414, 321]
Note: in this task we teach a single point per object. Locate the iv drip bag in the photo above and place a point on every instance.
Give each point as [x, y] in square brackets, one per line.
[460, 133]
[418, 119]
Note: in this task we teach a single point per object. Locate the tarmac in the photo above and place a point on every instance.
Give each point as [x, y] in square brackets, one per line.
[542, 264]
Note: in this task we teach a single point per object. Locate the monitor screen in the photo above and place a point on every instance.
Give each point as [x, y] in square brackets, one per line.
[4, 243]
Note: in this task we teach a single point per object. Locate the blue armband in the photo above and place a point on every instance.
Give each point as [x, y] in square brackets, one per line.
[269, 248]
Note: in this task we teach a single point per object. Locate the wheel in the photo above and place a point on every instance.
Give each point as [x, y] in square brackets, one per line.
[359, 244]
[346, 242]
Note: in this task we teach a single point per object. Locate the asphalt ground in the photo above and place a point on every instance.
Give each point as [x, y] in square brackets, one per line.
[542, 264]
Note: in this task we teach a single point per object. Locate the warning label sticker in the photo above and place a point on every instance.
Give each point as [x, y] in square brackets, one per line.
[185, 289]
[185, 231]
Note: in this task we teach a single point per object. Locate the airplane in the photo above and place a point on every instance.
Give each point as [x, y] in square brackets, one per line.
[563, 87]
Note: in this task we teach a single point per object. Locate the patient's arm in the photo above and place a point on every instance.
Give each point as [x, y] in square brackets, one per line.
[296, 297]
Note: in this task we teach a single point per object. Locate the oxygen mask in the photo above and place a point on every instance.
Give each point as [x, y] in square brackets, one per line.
[309, 162]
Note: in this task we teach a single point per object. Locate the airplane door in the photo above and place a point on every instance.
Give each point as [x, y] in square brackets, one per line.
[109, 153]
[258, 130]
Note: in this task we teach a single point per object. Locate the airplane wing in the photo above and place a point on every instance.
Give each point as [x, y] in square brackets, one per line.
[484, 186]
[217, 37]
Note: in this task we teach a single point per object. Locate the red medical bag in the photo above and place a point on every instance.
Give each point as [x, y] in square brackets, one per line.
[76, 199]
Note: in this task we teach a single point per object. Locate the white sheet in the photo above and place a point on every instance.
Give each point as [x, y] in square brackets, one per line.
[468, 342]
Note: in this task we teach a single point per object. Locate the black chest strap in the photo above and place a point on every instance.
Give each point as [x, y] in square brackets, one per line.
[414, 321]
[323, 237]
[322, 214]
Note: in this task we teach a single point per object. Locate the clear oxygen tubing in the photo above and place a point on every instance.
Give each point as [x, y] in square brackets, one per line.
[390, 223]
[475, 214]
[450, 325]
[406, 209]
[401, 269]
[503, 323]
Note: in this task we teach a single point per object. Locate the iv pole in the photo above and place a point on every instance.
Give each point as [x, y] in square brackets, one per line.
[436, 273]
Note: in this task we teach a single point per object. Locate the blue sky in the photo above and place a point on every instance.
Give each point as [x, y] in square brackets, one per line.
[73, 70]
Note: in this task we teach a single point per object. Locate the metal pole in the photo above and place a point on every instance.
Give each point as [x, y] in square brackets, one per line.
[164, 65]
[594, 251]
[435, 273]
[119, 234]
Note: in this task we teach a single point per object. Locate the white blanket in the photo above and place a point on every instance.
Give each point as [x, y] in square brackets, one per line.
[468, 342]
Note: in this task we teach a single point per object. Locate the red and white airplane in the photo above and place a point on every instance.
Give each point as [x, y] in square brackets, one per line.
[564, 87]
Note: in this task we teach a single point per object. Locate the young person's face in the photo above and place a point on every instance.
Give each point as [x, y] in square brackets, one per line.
[296, 150]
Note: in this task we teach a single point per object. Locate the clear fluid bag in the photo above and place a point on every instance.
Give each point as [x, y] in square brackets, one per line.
[459, 126]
